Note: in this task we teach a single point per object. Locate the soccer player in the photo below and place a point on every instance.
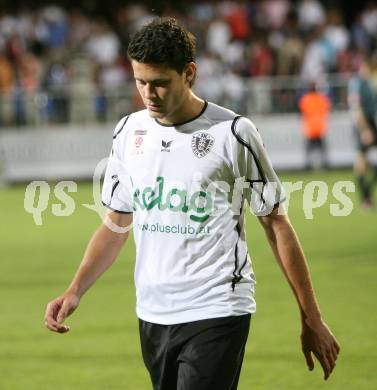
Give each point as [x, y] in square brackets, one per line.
[173, 171]
[362, 101]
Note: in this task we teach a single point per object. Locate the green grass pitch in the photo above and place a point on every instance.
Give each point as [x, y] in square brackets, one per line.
[102, 349]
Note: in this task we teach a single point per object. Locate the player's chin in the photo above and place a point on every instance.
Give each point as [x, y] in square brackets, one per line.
[155, 113]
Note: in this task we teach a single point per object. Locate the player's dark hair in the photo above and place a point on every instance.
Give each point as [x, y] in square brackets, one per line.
[163, 42]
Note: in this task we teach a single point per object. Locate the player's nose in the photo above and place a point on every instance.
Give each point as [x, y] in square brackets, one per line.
[149, 92]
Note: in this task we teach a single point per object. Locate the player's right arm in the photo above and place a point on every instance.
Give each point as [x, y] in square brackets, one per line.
[101, 252]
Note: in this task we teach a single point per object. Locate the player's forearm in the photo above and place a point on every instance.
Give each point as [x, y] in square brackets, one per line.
[100, 253]
[290, 257]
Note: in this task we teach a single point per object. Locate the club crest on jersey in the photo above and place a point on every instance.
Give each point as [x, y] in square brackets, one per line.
[201, 144]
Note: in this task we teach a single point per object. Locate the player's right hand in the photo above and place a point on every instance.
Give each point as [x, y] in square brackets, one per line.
[318, 340]
[58, 310]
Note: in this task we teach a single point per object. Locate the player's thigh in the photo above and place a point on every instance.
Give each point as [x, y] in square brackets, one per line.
[158, 359]
[213, 358]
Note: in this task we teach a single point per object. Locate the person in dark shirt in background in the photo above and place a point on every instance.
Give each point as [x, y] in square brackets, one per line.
[362, 101]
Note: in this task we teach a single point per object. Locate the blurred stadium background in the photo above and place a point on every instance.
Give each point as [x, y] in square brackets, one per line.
[65, 81]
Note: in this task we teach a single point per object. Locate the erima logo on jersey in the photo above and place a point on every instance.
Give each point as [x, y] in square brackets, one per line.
[201, 144]
[199, 204]
[166, 146]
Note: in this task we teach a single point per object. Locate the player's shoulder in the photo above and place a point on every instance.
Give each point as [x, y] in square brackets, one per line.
[238, 124]
[130, 121]
[244, 131]
[218, 114]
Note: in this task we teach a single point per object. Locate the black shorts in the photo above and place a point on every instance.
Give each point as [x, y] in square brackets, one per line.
[199, 355]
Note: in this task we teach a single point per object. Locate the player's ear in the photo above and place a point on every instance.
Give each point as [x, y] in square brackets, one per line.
[190, 73]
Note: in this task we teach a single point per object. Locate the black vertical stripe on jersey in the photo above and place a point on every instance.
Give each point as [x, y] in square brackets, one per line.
[244, 262]
[263, 179]
[252, 186]
[248, 147]
[247, 252]
[236, 278]
[242, 266]
[115, 185]
[237, 275]
[118, 132]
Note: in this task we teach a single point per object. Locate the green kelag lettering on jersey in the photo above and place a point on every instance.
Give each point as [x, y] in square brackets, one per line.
[148, 198]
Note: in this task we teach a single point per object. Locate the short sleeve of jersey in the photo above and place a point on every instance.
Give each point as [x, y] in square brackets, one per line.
[117, 184]
[264, 190]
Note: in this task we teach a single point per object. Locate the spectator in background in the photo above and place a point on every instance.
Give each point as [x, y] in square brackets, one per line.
[310, 14]
[219, 35]
[359, 36]
[369, 19]
[234, 56]
[363, 105]
[319, 58]
[80, 30]
[6, 74]
[208, 82]
[6, 87]
[103, 45]
[234, 91]
[16, 52]
[57, 26]
[297, 38]
[56, 82]
[336, 32]
[315, 108]
[237, 18]
[349, 60]
[111, 79]
[260, 67]
[275, 12]
[291, 51]
[82, 88]
[261, 59]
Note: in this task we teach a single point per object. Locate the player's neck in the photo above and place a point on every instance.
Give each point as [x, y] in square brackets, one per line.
[190, 108]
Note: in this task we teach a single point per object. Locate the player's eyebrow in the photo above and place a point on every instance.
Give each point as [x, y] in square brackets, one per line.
[153, 81]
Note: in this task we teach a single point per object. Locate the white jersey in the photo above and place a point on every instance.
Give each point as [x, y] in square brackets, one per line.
[192, 260]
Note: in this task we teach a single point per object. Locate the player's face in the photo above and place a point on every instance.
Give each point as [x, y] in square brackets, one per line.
[162, 89]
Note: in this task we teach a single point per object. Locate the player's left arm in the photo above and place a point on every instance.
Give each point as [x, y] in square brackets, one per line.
[316, 337]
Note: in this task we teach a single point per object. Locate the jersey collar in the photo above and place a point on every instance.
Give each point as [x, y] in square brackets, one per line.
[188, 121]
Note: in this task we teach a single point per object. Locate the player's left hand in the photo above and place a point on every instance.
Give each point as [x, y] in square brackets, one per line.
[317, 340]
